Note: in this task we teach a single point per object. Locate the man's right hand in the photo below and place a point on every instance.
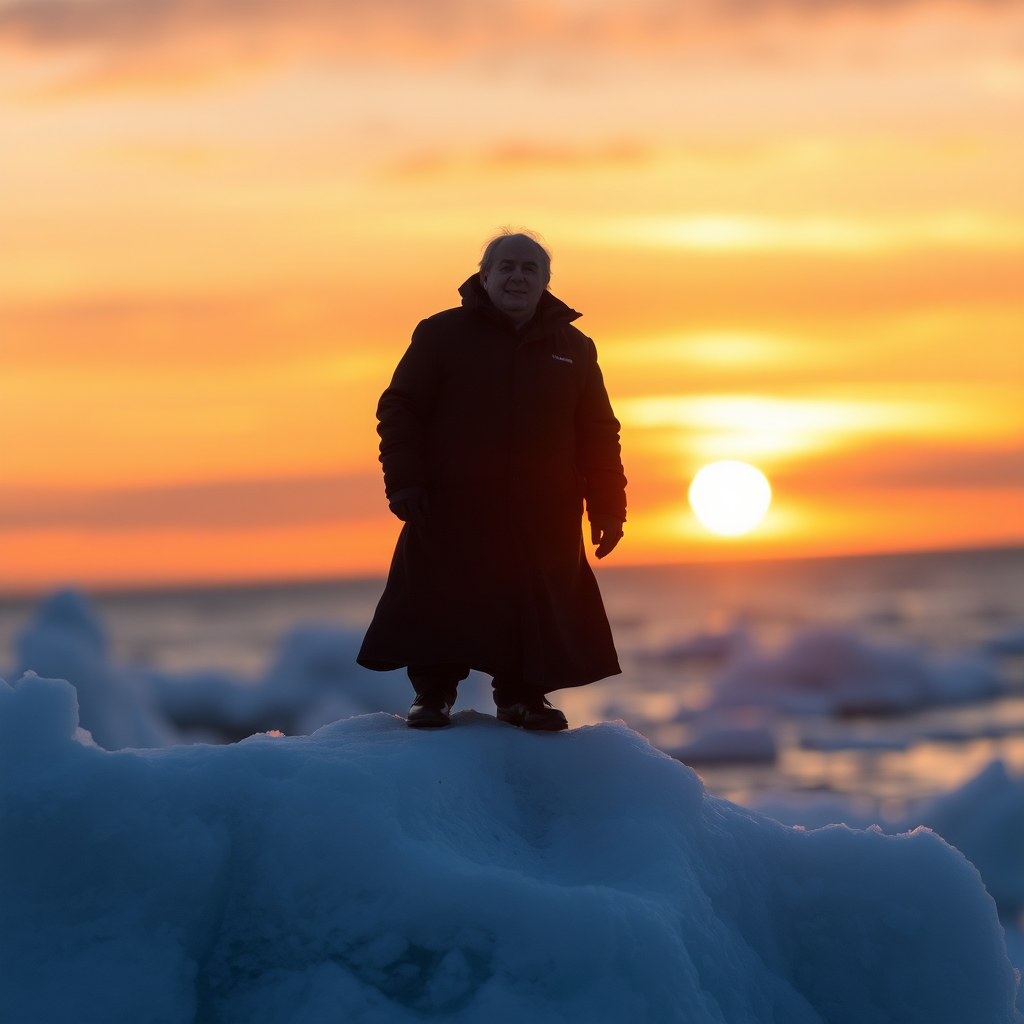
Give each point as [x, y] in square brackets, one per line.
[412, 506]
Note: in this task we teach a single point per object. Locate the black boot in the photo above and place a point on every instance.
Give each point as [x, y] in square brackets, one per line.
[437, 687]
[533, 712]
[430, 710]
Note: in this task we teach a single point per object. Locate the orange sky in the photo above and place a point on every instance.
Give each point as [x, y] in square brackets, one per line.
[795, 231]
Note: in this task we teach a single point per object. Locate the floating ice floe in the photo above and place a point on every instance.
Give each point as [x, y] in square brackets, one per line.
[830, 671]
[847, 741]
[722, 646]
[313, 680]
[730, 735]
[729, 743]
[1010, 642]
[476, 874]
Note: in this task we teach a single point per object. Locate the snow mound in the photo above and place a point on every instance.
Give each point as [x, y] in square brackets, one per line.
[477, 874]
[833, 671]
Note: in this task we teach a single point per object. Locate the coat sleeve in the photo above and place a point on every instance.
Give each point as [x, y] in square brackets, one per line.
[404, 412]
[598, 455]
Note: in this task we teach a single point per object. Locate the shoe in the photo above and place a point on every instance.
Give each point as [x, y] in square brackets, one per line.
[533, 713]
[429, 711]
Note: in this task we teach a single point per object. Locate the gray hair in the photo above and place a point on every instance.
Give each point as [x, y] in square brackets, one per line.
[492, 243]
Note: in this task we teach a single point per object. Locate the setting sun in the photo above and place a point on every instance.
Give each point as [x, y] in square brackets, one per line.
[730, 498]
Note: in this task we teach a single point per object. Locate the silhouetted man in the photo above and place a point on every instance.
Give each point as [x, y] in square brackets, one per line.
[494, 432]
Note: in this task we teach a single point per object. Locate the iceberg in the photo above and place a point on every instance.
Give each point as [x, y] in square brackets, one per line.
[373, 873]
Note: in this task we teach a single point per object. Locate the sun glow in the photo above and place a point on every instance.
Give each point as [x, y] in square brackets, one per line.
[730, 498]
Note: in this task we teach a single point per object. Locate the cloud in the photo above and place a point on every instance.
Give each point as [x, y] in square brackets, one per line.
[909, 465]
[157, 40]
[238, 504]
[524, 156]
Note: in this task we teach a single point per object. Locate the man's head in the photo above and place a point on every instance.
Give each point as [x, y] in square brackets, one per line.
[514, 270]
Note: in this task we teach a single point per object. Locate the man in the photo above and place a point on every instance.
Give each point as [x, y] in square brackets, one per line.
[495, 430]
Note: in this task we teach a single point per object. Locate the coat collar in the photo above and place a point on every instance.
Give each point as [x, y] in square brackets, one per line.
[551, 313]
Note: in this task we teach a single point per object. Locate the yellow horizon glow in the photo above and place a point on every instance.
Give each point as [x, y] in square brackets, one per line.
[736, 232]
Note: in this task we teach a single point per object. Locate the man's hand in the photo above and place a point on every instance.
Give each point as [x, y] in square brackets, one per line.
[605, 532]
[412, 506]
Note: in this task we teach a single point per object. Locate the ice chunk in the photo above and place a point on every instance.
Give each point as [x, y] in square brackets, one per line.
[66, 640]
[375, 873]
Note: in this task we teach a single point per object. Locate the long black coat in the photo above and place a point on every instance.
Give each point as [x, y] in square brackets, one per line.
[509, 431]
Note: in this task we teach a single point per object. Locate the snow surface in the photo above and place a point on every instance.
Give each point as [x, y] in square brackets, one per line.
[477, 874]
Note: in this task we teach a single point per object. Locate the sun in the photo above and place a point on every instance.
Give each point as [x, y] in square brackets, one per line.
[730, 498]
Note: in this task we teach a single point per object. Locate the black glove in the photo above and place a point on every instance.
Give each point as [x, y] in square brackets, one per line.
[412, 506]
[605, 532]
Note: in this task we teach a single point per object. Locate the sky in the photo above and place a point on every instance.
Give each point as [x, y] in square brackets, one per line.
[795, 230]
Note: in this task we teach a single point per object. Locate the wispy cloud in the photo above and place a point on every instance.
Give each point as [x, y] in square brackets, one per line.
[524, 156]
[752, 426]
[720, 350]
[239, 504]
[159, 40]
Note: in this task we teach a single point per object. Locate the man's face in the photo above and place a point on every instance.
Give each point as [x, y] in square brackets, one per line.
[515, 279]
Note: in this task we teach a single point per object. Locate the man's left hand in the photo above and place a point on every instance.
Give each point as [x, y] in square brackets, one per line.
[605, 532]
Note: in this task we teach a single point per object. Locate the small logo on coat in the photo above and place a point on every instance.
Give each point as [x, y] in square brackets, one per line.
[561, 359]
